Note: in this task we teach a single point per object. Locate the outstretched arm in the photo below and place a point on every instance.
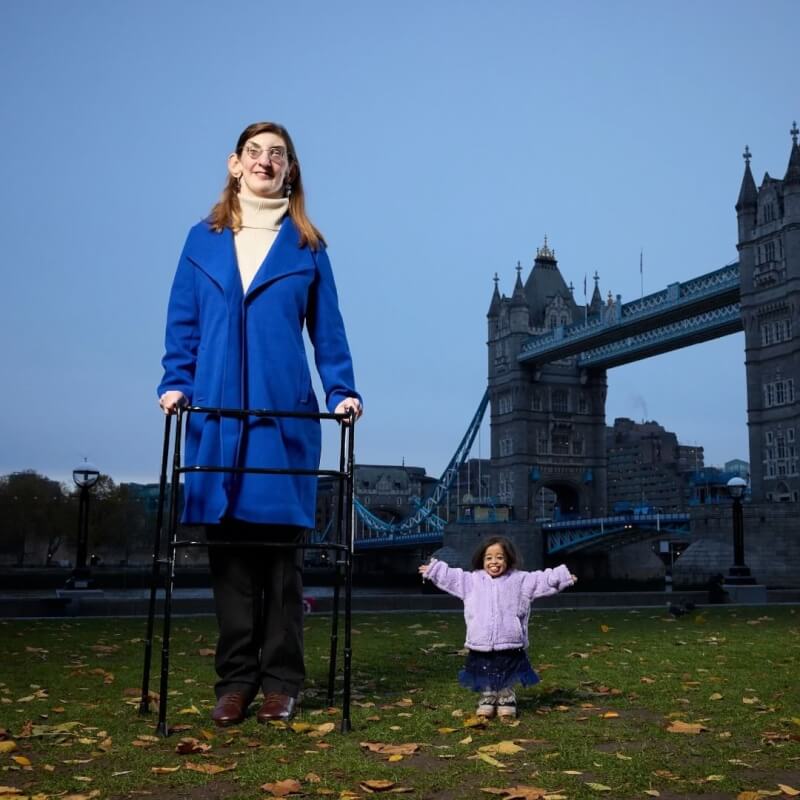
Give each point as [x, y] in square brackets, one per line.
[452, 580]
[542, 583]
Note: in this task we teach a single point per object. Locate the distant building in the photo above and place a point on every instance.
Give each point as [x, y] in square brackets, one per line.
[647, 466]
[738, 468]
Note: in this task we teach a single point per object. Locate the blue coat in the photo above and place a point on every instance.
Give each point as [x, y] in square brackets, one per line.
[229, 349]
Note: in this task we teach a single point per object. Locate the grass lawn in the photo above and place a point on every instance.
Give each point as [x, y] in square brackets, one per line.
[632, 704]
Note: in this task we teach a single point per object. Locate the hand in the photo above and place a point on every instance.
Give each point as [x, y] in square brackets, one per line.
[171, 401]
[574, 578]
[423, 569]
[349, 404]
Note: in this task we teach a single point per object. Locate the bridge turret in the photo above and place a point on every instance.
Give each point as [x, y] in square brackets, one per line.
[519, 314]
[791, 181]
[747, 203]
[494, 306]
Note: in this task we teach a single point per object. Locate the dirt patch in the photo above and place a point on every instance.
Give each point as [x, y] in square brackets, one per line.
[213, 790]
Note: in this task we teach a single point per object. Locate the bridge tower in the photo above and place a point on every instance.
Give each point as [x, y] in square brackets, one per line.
[547, 423]
[769, 258]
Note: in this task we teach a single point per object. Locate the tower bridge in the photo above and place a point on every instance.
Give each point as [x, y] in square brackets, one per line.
[548, 358]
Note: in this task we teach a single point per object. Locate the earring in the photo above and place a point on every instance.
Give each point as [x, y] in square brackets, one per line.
[288, 189]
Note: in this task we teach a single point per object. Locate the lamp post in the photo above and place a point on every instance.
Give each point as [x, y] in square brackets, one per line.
[739, 572]
[85, 476]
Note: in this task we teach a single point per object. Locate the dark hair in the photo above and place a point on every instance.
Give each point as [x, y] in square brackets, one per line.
[227, 212]
[512, 559]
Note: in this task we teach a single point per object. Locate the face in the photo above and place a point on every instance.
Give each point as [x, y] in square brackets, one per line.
[494, 560]
[263, 166]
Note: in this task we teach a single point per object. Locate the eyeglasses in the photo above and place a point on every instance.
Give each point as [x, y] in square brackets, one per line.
[277, 155]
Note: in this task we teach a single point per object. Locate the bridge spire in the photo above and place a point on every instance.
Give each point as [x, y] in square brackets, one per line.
[792, 176]
[748, 194]
[494, 306]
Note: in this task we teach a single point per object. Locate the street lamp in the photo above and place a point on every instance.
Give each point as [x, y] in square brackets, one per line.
[85, 476]
[739, 573]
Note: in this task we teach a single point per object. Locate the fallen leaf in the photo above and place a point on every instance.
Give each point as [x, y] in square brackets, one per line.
[164, 770]
[467, 740]
[652, 792]
[605, 628]
[322, 730]
[23, 761]
[609, 715]
[789, 790]
[8, 746]
[489, 759]
[715, 696]
[189, 710]
[206, 651]
[376, 786]
[391, 749]
[505, 748]
[209, 769]
[283, 788]
[686, 727]
[189, 745]
[312, 777]
[599, 787]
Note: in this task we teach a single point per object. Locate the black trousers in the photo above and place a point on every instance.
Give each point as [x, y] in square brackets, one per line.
[258, 594]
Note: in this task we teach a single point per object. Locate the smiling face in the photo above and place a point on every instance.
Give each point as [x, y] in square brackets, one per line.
[263, 166]
[494, 560]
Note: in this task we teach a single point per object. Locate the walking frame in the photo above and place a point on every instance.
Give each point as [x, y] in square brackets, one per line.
[342, 545]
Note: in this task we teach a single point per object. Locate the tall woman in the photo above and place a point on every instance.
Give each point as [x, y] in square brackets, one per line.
[250, 277]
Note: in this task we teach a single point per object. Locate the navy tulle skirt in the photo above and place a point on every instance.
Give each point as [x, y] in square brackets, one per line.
[497, 669]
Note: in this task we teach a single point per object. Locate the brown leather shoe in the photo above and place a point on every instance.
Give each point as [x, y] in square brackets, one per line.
[276, 706]
[230, 709]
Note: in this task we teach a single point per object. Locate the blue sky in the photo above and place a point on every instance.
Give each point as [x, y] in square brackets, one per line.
[440, 142]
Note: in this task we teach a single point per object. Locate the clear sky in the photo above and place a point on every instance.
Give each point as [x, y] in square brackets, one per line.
[440, 142]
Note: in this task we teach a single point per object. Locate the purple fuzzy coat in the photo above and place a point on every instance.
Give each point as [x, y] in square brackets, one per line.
[497, 609]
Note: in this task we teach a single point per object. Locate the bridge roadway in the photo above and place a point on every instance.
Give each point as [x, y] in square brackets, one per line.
[562, 536]
[683, 314]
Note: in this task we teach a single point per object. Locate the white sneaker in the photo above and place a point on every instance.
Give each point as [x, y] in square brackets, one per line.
[487, 705]
[507, 704]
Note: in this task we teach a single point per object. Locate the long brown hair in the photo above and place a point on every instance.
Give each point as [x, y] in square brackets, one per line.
[227, 213]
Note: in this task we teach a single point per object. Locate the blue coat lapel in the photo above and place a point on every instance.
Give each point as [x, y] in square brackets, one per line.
[214, 253]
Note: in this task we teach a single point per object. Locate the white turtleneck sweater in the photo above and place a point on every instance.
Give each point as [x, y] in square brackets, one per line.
[261, 220]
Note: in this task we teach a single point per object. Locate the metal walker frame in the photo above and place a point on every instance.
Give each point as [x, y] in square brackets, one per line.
[342, 545]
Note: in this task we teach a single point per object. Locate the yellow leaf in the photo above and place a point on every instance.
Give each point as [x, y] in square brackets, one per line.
[282, 788]
[598, 787]
[505, 748]
[489, 760]
[322, 730]
[652, 792]
[467, 740]
[376, 786]
[190, 710]
[692, 728]
[312, 777]
[715, 696]
[395, 757]
[572, 772]
[715, 778]
[8, 746]
[645, 679]
[750, 701]
[10, 790]
[605, 628]
[475, 722]
[749, 796]
[301, 727]
[164, 770]
[446, 730]
[788, 790]
[209, 769]
[609, 715]
[21, 760]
